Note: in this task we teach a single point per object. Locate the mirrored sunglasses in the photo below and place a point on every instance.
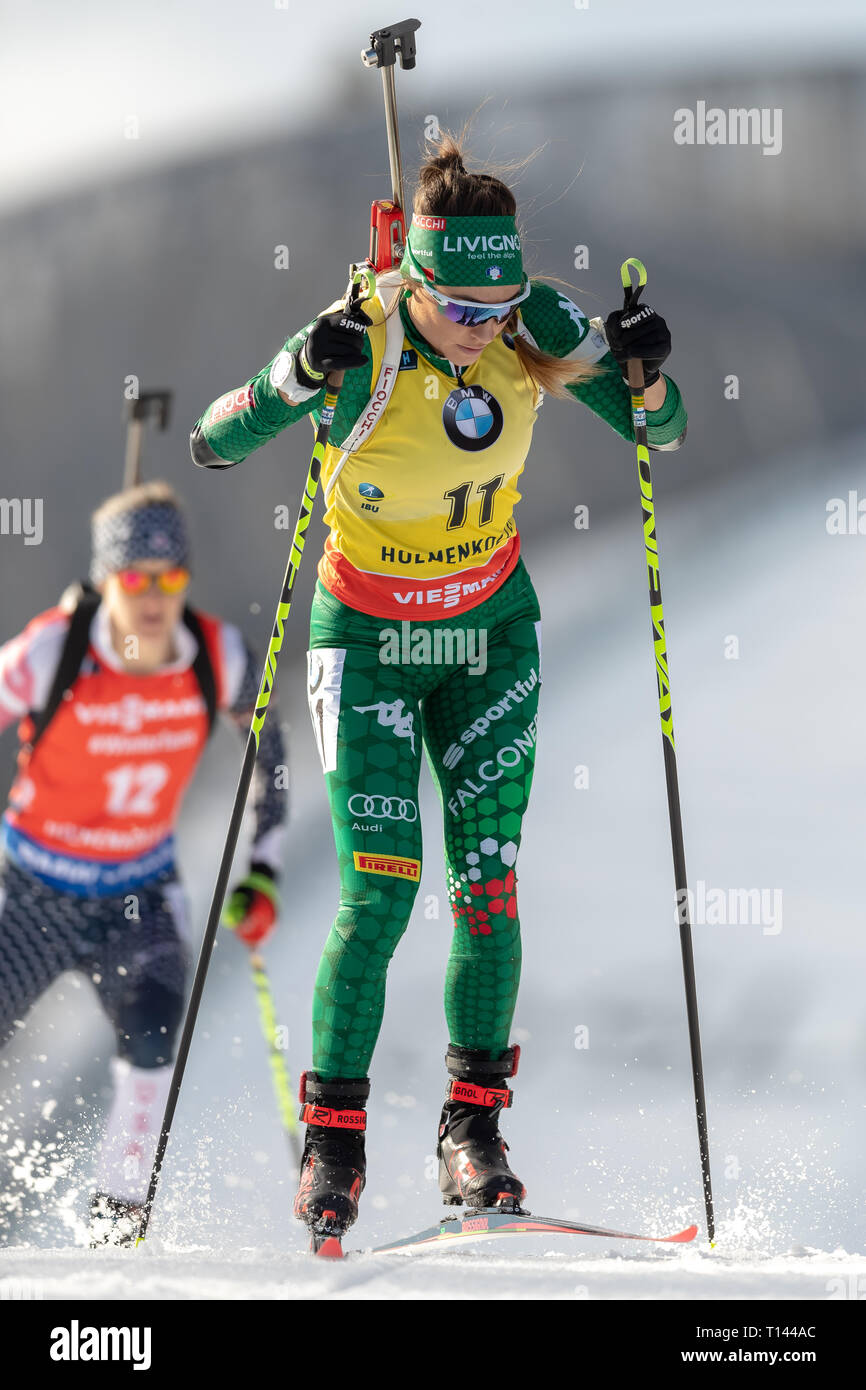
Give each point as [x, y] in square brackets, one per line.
[172, 581]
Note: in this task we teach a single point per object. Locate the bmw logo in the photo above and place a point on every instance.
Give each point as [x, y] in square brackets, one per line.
[472, 418]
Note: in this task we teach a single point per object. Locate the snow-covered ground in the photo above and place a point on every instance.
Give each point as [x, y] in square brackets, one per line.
[772, 757]
[548, 1273]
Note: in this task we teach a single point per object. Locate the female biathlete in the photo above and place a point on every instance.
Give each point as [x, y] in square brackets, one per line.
[420, 571]
[88, 879]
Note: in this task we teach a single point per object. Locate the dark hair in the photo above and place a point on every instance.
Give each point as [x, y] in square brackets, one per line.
[447, 188]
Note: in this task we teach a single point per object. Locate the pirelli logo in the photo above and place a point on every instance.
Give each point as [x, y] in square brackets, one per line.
[394, 865]
[241, 399]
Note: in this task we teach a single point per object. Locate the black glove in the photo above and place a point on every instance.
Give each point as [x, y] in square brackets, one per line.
[335, 343]
[638, 332]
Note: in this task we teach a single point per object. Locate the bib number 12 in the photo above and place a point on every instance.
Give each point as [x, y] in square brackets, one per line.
[134, 787]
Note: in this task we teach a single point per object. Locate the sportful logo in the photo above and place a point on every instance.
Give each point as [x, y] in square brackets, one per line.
[383, 807]
[452, 755]
[645, 312]
[392, 717]
[507, 758]
[515, 694]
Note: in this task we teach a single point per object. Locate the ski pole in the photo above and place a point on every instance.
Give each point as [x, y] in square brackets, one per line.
[149, 405]
[636, 386]
[279, 1069]
[334, 381]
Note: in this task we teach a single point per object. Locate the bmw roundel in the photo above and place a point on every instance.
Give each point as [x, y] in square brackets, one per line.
[370, 490]
[472, 418]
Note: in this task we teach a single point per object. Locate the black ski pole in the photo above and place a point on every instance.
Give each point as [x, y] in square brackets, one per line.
[360, 274]
[636, 386]
[149, 405]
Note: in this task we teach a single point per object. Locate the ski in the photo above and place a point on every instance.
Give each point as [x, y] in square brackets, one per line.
[485, 1225]
[327, 1247]
[326, 1237]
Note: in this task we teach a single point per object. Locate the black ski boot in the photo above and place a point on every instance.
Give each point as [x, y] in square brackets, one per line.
[333, 1166]
[473, 1168]
[113, 1221]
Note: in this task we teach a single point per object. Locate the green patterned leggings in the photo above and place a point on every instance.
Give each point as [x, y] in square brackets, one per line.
[379, 690]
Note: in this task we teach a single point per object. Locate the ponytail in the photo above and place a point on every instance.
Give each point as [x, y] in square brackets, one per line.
[446, 188]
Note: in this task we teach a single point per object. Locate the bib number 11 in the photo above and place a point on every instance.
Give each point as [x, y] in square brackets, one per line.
[459, 499]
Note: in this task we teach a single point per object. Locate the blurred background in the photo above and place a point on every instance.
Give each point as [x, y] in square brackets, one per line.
[154, 160]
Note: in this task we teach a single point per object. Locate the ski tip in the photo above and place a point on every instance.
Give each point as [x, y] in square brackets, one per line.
[682, 1237]
[329, 1249]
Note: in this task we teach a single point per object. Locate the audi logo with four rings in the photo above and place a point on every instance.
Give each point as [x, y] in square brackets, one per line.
[383, 807]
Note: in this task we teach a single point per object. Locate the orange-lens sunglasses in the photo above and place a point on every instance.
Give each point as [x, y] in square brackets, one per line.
[140, 582]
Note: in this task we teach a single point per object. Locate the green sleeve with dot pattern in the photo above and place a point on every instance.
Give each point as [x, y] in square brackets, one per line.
[246, 418]
[559, 327]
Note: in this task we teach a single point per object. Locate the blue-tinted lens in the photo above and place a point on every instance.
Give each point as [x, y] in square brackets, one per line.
[468, 317]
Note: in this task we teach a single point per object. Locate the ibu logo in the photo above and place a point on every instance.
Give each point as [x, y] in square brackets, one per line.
[472, 418]
[373, 494]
